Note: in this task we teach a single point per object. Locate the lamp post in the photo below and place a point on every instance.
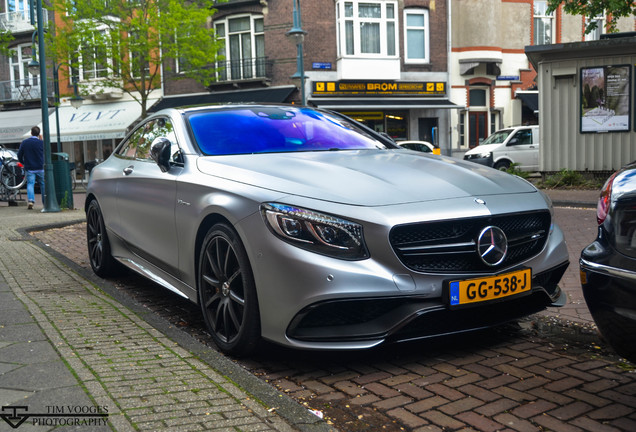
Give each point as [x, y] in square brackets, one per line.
[297, 34]
[50, 201]
[76, 100]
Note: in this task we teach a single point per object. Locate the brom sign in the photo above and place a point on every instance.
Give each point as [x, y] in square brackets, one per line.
[378, 88]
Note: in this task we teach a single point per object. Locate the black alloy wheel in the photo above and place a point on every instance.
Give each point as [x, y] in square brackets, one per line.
[102, 262]
[227, 292]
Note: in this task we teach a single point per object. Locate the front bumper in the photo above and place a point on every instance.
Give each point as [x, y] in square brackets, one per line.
[487, 161]
[407, 318]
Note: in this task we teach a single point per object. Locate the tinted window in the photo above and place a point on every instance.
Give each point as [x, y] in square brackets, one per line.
[276, 130]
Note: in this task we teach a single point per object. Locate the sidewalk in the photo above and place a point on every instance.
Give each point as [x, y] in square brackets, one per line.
[72, 356]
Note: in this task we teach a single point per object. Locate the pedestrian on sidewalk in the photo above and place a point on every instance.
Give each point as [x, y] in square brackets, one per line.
[31, 154]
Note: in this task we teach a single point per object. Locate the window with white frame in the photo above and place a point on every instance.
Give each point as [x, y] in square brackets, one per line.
[95, 55]
[367, 28]
[598, 31]
[416, 36]
[18, 66]
[244, 47]
[18, 6]
[543, 23]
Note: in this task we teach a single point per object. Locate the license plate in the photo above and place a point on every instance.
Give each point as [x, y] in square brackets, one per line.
[490, 288]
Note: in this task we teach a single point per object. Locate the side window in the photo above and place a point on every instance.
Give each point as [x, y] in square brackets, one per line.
[138, 145]
[523, 137]
[129, 148]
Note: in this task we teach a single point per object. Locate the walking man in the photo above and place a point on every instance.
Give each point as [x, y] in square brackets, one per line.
[31, 154]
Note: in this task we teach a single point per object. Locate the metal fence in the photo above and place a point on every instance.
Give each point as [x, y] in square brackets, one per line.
[244, 69]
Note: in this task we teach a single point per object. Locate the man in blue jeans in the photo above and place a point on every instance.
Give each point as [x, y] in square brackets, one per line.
[31, 154]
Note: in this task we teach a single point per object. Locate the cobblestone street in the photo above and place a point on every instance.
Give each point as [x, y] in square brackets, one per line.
[548, 372]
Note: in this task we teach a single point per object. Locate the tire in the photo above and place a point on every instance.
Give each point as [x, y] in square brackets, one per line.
[502, 165]
[227, 292]
[99, 253]
[618, 331]
[12, 175]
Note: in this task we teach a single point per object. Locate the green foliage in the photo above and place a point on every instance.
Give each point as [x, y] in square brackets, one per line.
[514, 170]
[591, 9]
[65, 204]
[121, 44]
[5, 38]
[569, 179]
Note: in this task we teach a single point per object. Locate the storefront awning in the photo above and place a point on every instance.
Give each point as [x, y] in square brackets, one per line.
[15, 124]
[268, 94]
[385, 103]
[94, 121]
[529, 99]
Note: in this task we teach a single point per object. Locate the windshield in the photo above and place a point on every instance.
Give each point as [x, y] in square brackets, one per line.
[264, 129]
[498, 137]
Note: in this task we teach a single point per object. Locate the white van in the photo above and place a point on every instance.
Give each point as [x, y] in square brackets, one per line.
[501, 149]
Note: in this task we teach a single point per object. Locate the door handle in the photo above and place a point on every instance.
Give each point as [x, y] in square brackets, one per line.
[129, 170]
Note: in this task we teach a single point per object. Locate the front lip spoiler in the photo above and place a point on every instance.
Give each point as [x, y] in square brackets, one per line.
[608, 270]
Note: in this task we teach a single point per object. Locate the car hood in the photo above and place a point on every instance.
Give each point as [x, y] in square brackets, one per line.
[365, 177]
[483, 148]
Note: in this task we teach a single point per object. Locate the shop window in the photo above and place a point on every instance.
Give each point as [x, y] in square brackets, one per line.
[416, 36]
[367, 28]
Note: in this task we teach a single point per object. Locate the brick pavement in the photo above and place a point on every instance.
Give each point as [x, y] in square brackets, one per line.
[525, 377]
[65, 345]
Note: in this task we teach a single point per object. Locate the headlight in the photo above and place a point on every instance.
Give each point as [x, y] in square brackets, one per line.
[315, 232]
[485, 155]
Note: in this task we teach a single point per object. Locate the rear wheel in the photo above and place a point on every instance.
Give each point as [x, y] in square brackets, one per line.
[227, 292]
[12, 175]
[102, 262]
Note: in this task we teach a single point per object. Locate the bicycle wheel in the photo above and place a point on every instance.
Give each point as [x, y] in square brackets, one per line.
[12, 175]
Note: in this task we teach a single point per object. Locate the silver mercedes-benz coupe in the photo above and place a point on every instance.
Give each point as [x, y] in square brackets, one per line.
[304, 228]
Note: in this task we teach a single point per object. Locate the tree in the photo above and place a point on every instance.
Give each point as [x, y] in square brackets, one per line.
[595, 8]
[122, 44]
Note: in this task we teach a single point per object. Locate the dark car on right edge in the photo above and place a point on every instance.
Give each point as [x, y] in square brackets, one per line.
[608, 265]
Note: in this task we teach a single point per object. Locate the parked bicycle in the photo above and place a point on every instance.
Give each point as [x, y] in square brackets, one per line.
[12, 178]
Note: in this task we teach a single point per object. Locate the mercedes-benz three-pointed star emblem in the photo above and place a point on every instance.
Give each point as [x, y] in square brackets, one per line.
[492, 245]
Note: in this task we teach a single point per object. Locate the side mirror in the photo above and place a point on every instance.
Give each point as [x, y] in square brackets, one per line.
[160, 153]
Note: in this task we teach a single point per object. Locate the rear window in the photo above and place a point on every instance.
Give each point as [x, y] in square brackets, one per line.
[264, 129]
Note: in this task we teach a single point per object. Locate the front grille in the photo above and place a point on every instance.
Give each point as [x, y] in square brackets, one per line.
[451, 245]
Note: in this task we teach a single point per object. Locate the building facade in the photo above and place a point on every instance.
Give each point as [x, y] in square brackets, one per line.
[490, 73]
[382, 62]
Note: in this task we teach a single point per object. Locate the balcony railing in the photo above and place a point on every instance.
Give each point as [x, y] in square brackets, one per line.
[18, 21]
[20, 91]
[244, 69]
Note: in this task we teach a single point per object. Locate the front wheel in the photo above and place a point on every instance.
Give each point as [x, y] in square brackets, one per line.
[502, 165]
[101, 259]
[227, 292]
